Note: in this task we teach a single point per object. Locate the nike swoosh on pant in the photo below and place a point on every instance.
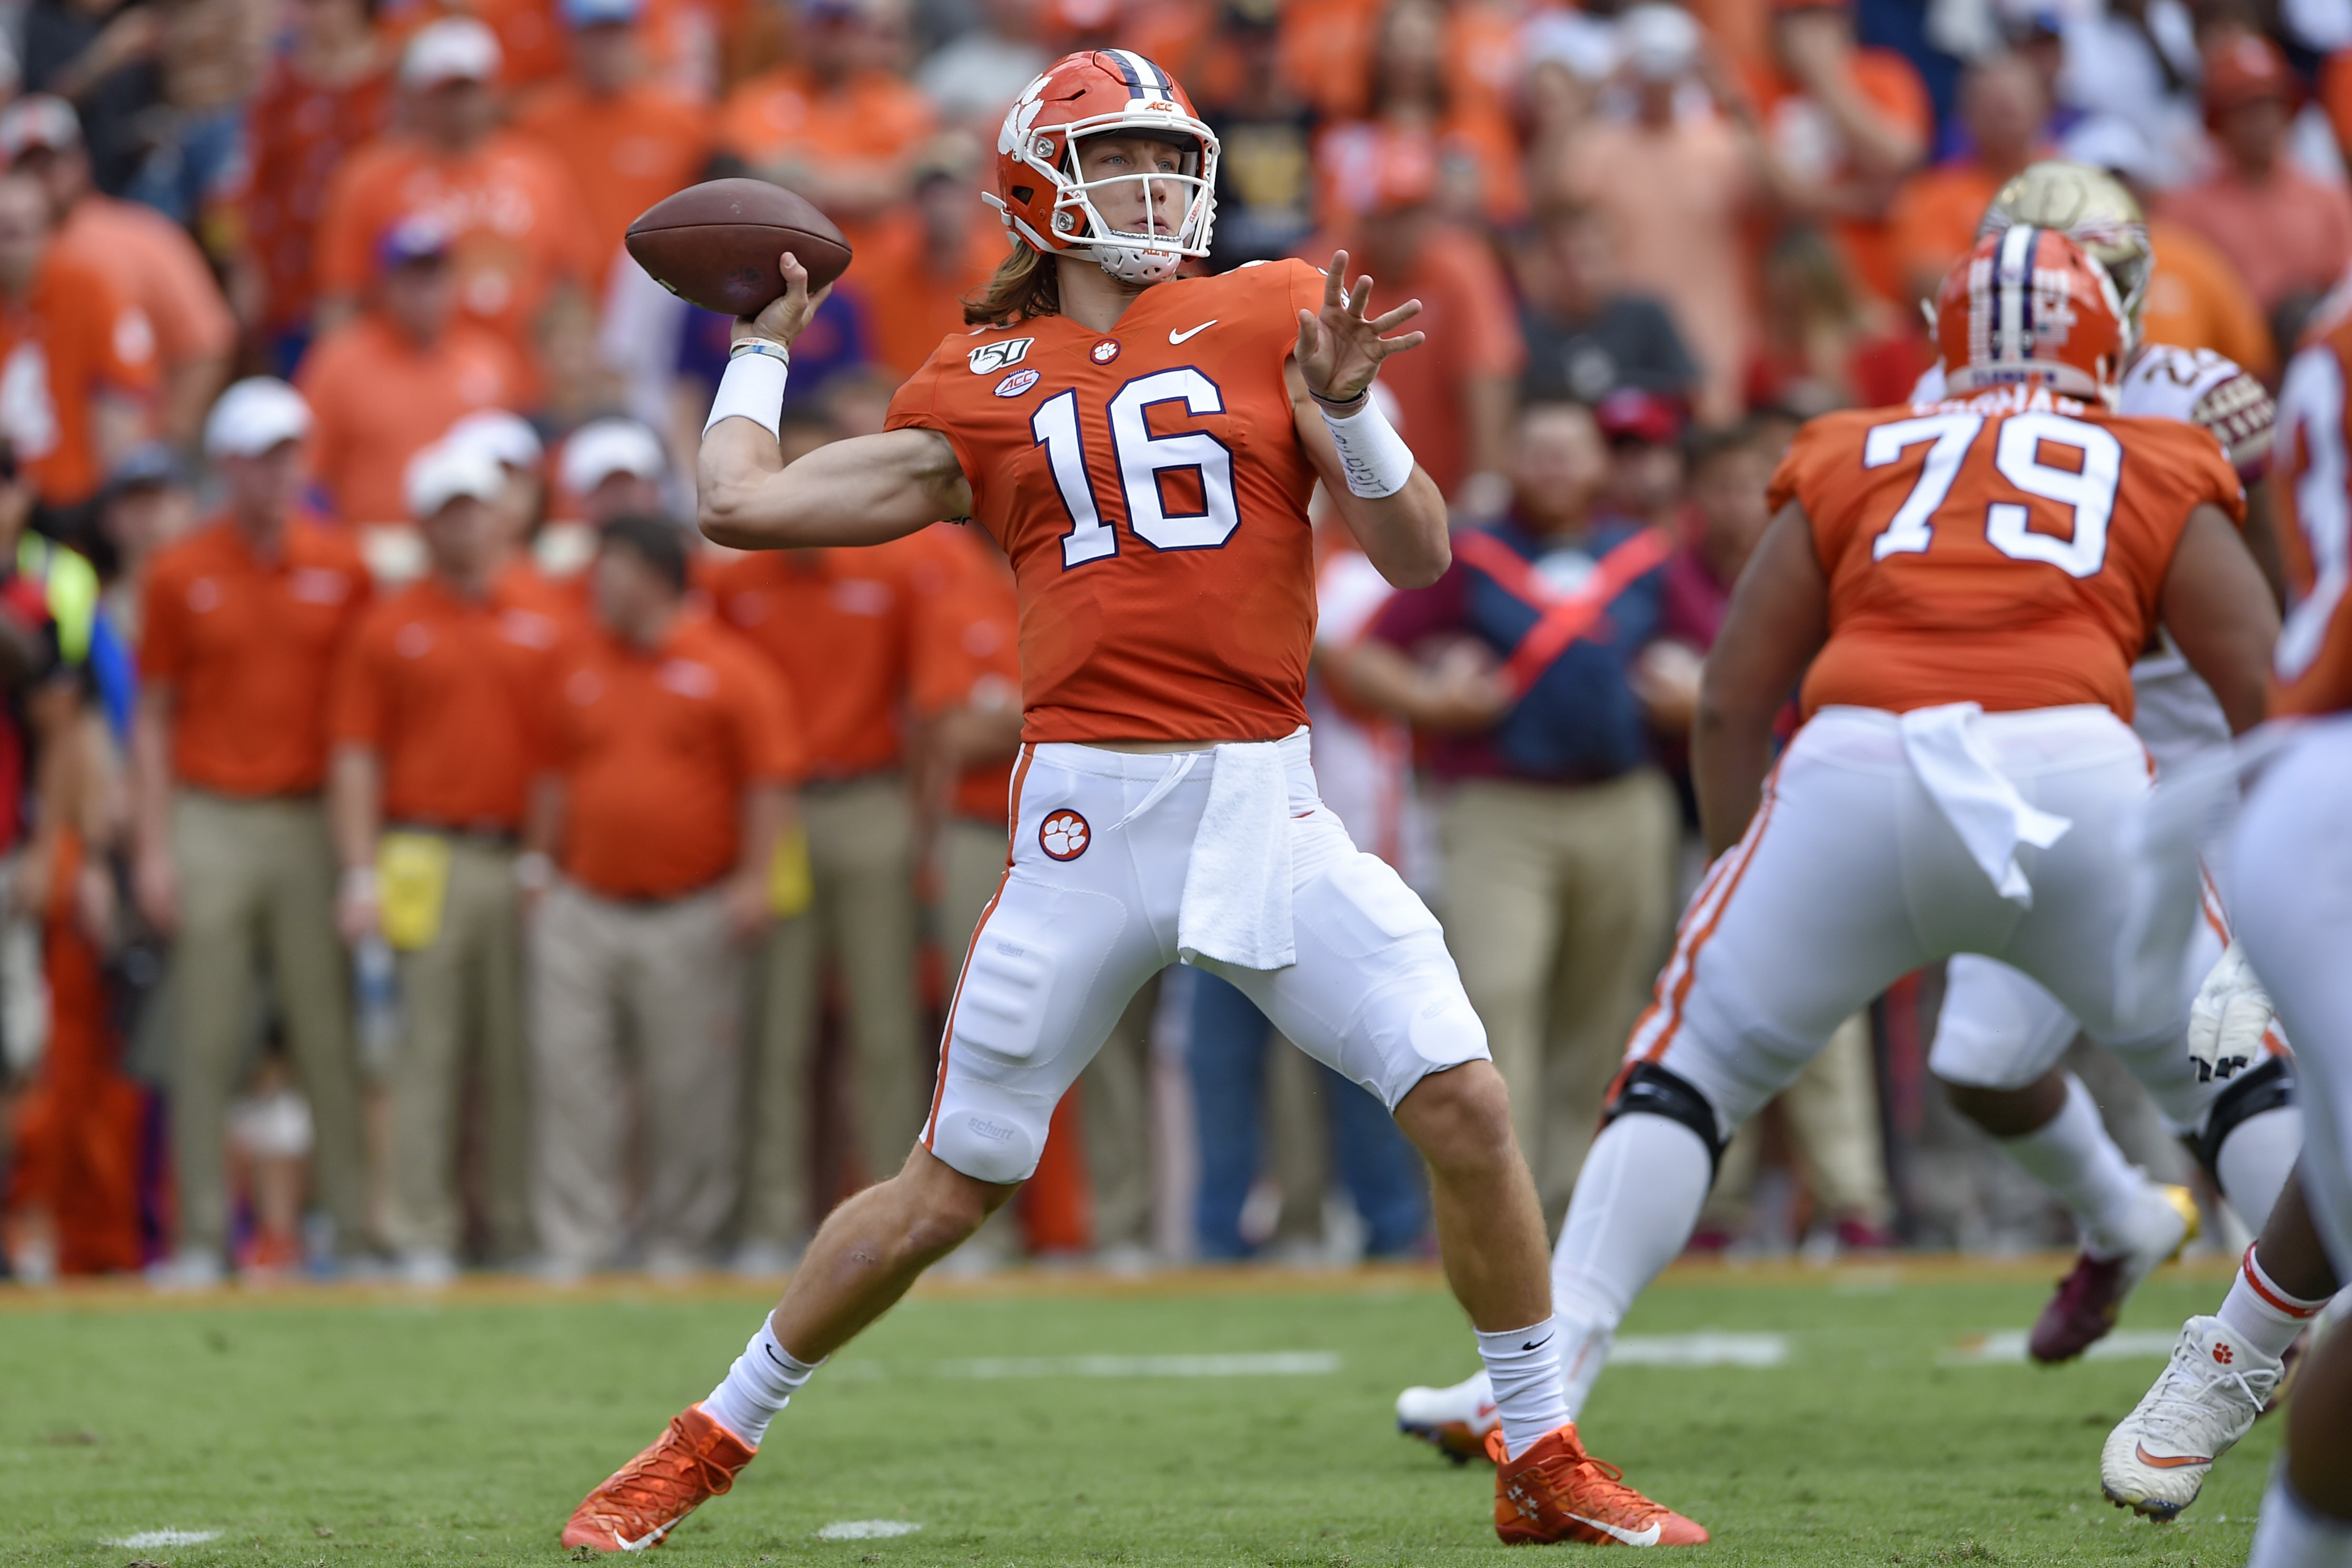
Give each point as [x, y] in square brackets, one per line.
[1616, 1533]
[2178, 1461]
[1176, 337]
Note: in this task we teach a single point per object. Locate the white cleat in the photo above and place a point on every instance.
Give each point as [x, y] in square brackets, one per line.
[2156, 1461]
[1455, 1421]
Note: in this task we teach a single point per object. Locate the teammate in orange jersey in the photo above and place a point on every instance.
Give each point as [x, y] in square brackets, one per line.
[1143, 447]
[1968, 582]
[2291, 889]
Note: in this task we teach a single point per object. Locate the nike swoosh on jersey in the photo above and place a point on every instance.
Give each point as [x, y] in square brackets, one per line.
[2178, 1461]
[1617, 1532]
[1176, 337]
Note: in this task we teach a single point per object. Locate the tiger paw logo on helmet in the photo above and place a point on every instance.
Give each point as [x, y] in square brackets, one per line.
[1063, 835]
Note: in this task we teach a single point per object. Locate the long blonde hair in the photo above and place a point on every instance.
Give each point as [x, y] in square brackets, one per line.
[1026, 284]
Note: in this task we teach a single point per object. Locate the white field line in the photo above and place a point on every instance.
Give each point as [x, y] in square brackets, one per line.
[147, 1538]
[2001, 1347]
[866, 1528]
[1707, 1348]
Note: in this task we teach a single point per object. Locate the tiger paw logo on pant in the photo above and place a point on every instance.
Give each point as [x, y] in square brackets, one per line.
[1063, 835]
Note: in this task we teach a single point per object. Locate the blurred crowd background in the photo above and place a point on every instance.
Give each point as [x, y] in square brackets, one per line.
[421, 852]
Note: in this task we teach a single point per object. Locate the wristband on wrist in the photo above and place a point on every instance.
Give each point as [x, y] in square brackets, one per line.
[1372, 455]
[752, 388]
[767, 346]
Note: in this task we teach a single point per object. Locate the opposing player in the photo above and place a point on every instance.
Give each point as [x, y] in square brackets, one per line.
[1143, 447]
[1968, 583]
[2290, 881]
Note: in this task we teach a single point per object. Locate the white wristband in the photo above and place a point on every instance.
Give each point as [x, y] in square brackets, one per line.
[752, 388]
[1374, 458]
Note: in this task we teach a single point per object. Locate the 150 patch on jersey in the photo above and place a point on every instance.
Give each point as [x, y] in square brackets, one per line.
[1001, 355]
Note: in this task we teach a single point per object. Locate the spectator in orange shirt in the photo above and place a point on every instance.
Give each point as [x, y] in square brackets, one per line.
[2288, 235]
[1457, 402]
[1413, 95]
[519, 237]
[2004, 108]
[387, 384]
[924, 258]
[839, 627]
[76, 361]
[150, 260]
[843, 126]
[326, 96]
[1843, 124]
[434, 720]
[613, 468]
[670, 748]
[627, 142]
[243, 619]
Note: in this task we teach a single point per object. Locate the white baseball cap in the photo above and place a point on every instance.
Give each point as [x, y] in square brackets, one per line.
[38, 122]
[255, 415]
[1661, 42]
[446, 470]
[506, 437]
[455, 49]
[603, 447]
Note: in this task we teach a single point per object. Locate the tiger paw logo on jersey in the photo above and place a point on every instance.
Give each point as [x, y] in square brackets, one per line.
[1104, 352]
[1063, 835]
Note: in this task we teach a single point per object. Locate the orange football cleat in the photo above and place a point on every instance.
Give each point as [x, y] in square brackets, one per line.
[695, 1461]
[1556, 1492]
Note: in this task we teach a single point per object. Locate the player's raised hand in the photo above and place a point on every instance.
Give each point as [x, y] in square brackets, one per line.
[788, 314]
[1340, 347]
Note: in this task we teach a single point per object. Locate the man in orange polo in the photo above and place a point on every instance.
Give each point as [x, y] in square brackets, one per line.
[840, 627]
[670, 748]
[842, 126]
[242, 621]
[519, 239]
[436, 720]
[627, 141]
[76, 361]
[926, 256]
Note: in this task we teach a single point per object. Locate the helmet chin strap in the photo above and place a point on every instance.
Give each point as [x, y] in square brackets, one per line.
[1137, 265]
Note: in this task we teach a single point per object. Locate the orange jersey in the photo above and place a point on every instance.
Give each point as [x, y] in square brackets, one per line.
[70, 340]
[1148, 486]
[2006, 549]
[967, 654]
[625, 153]
[2314, 661]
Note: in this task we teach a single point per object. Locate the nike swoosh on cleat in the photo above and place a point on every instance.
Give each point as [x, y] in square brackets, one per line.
[1617, 1532]
[2178, 1461]
[1176, 337]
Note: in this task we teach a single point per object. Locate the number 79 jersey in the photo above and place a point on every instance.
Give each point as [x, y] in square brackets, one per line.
[2007, 550]
[1148, 486]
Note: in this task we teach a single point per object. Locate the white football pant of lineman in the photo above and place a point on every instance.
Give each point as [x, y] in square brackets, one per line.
[1999, 1030]
[1852, 874]
[2291, 891]
[1066, 942]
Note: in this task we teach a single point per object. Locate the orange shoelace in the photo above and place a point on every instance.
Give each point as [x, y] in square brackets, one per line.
[1600, 1481]
[666, 1481]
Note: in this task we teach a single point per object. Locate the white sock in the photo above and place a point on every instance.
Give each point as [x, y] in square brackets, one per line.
[2263, 1317]
[1523, 1369]
[1636, 1201]
[761, 1381]
[2255, 1160]
[2292, 1534]
[2075, 1159]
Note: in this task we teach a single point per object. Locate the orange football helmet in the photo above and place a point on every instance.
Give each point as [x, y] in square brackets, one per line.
[2029, 304]
[1046, 200]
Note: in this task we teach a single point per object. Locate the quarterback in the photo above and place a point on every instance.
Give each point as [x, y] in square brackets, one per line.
[1143, 447]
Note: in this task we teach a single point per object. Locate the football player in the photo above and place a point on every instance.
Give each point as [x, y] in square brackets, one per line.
[1143, 444]
[1969, 583]
[2290, 879]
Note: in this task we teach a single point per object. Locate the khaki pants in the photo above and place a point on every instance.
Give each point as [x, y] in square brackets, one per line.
[460, 1043]
[1559, 905]
[1114, 1092]
[660, 982]
[1833, 1111]
[257, 879]
[861, 838]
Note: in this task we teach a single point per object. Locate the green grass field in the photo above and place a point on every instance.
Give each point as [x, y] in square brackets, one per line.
[377, 1429]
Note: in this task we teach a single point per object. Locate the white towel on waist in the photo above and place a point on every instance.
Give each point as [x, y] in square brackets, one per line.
[1984, 808]
[1236, 903]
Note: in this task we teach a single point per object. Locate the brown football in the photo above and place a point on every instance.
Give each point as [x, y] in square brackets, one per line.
[715, 244]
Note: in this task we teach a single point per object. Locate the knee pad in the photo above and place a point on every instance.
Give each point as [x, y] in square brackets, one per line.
[2257, 1089]
[1656, 1090]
